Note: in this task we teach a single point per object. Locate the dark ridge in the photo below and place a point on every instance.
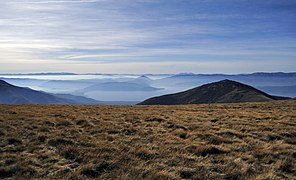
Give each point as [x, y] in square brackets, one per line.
[225, 91]
[10, 94]
[5, 84]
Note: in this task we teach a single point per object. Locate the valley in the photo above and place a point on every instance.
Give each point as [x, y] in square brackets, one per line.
[119, 89]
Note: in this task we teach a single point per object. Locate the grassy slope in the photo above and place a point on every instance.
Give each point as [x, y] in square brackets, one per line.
[234, 141]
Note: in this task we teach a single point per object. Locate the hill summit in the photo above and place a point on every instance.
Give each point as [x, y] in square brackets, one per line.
[225, 91]
[10, 94]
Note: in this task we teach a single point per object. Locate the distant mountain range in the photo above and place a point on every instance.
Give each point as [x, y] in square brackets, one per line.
[225, 91]
[10, 94]
[180, 74]
[269, 74]
[255, 79]
[38, 74]
[131, 88]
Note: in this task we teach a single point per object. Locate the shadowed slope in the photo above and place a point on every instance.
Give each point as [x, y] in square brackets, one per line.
[225, 91]
[10, 94]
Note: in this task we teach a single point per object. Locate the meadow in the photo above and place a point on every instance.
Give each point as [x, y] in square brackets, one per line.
[210, 141]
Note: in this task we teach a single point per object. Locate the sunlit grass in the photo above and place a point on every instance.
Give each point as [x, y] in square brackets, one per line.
[225, 141]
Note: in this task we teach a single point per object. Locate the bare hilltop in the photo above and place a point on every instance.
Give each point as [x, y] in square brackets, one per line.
[225, 91]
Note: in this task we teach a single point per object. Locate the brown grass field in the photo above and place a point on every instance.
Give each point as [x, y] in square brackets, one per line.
[223, 141]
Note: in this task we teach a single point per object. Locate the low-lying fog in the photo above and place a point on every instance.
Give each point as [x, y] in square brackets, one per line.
[136, 88]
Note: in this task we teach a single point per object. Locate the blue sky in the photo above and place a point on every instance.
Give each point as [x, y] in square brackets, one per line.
[147, 36]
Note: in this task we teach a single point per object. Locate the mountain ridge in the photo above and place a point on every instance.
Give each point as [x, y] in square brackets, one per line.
[225, 91]
[11, 94]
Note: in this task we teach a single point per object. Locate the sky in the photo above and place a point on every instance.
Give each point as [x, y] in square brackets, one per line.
[147, 36]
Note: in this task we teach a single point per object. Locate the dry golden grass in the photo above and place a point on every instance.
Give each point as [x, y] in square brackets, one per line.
[225, 141]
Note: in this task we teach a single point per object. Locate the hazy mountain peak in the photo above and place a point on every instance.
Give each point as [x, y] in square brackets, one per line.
[143, 77]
